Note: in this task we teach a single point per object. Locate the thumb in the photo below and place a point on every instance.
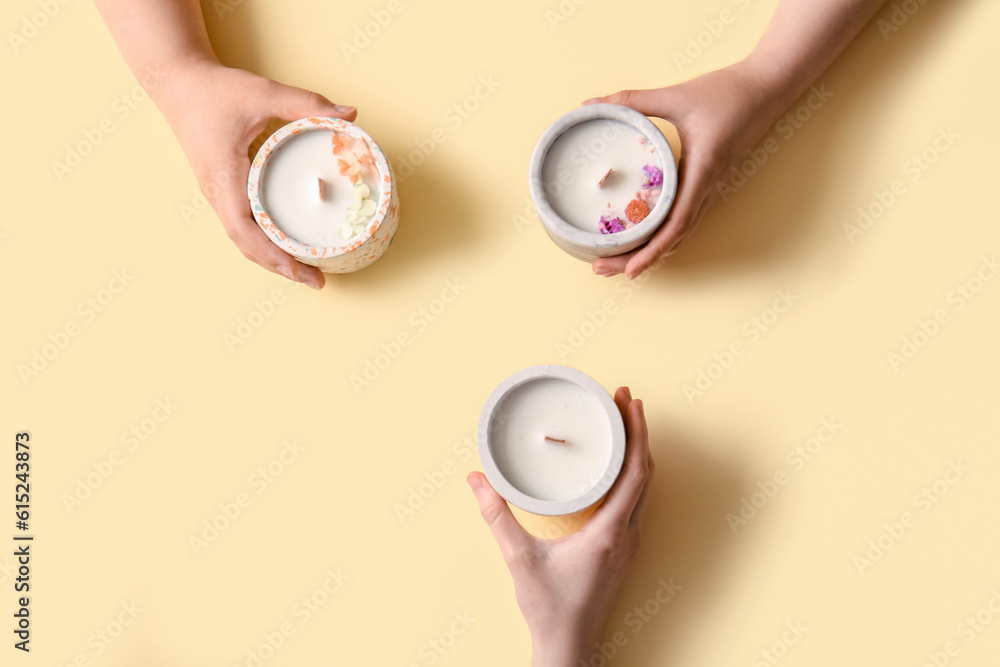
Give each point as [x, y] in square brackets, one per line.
[509, 534]
[657, 102]
[290, 103]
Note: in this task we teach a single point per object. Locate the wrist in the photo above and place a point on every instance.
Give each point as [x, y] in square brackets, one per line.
[570, 649]
[170, 82]
[551, 654]
[769, 84]
[779, 80]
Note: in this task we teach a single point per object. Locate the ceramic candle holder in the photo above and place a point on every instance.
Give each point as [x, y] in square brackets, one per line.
[588, 157]
[551, 440]
[342, 253]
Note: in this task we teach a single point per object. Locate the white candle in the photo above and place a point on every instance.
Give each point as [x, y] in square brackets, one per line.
[551, 440]
[290, 190]
[577, 180]
[322, 190]
[602, 179]
[546, 468]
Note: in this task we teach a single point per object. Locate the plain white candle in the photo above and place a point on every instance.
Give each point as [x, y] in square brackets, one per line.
[559, 409]
[581, 157]
[289, 189]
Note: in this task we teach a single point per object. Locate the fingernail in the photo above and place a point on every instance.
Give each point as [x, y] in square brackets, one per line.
[342, 108]
[474, 481]
[592, 100]
[313, 283]
[286, 271]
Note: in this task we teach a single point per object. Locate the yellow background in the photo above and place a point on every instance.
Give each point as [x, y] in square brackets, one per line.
[333, 507]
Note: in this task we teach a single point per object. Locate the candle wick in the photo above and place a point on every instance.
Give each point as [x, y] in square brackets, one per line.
[320, 185]
[604, 178]
[551, 439]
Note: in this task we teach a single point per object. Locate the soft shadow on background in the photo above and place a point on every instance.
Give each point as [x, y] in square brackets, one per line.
[684, 537]
[773, 213]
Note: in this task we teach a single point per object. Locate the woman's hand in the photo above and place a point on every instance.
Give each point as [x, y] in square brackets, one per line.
[565, 587]
[718, 116]
[215, 113]
[722, 114]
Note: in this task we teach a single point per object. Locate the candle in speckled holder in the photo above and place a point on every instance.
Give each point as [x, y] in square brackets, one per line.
[322, 191]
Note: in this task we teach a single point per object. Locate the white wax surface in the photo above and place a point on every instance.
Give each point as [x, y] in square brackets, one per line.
[560, 409]
[289, 190]
[578, 159]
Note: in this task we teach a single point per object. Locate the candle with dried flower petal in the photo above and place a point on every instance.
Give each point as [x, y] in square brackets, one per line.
[603, 179]
[322, 190]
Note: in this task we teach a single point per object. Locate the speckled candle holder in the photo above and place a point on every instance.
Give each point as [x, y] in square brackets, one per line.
[355, 253]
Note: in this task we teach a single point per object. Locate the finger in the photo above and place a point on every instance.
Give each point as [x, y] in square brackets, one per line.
[624, 495]
[255, 245]
[705, 205]
[640, 505]
[659, 102]
[693, 182]
[234, 211]
[623, 396]
[290, 103]
[644, 262]
[612, 266]
[509, 534]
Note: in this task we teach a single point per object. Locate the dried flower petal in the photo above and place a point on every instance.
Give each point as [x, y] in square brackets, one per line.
[610, 225]
[654, 177]
[340, 142]
[637, 210]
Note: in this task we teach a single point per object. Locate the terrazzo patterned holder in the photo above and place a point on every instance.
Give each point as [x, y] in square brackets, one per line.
[355, 253]
[589, 246]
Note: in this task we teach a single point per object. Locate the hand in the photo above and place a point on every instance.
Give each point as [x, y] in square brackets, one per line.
[565, 587]
[215, 113]
[718, 116]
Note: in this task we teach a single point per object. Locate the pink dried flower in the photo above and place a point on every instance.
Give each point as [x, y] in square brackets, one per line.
[654, 177]
[611, 224]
